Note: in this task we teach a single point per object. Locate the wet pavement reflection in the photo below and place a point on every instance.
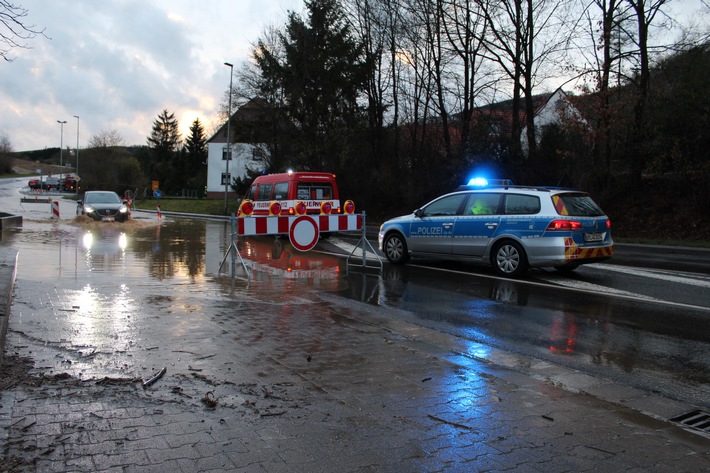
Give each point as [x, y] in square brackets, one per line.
[121, 290]
[647, 345]
[293, 361]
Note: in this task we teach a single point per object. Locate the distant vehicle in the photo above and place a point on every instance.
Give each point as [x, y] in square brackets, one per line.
[52, 183]
[511, 228]
[49, 183]
[67, 183]
[294, 193]
[71, 183]
[103, 206]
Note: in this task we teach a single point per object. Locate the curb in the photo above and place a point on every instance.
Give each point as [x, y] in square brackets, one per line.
[8, 271]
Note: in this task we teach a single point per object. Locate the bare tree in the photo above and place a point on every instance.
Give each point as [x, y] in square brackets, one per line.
[604, 48]
[527, 37]
[5, 158]
[14, 32]
[466, 29]
[5, 145]
[646, 14]
[106, 139]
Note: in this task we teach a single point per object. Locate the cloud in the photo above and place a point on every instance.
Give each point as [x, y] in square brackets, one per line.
[117, 64]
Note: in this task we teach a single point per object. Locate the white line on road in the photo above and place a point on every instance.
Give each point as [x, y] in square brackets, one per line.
[348, 248]
[655, 274]
[591, 287]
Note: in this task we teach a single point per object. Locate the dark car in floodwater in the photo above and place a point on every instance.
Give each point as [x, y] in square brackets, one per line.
[103, 206]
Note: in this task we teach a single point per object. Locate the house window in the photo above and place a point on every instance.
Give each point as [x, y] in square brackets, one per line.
[226, 178]
[225, 153]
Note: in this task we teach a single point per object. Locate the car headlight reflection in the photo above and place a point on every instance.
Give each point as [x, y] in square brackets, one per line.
[88, 240]
[122, 241]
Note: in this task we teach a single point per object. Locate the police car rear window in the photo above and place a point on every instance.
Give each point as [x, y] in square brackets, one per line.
[576, 205]
[517, 204]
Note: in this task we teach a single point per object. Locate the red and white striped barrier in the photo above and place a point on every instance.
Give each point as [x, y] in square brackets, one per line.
[303, 230]
[55, 209]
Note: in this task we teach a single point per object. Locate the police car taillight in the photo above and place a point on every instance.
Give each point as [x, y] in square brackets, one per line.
[564, 225]
[608, 224]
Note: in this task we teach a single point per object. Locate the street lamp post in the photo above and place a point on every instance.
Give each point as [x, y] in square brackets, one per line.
[61, 145]
[76, 177]
[229, 136]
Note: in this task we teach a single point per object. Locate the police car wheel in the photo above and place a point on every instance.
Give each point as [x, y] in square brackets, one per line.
[396, 249]
[508, 259]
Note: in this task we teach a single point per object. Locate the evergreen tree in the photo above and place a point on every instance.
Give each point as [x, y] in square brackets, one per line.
[195, 156]
[164, 143]
[322, 74]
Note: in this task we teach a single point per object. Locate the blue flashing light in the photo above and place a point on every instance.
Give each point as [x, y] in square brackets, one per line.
[478, 182]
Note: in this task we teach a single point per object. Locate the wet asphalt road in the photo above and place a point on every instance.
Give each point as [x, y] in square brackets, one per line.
[646, 328]
[121, 302]
[649, 328]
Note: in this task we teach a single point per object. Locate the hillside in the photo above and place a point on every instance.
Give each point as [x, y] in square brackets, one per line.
[23, 166]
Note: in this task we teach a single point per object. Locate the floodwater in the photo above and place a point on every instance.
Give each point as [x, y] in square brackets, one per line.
[126, 299]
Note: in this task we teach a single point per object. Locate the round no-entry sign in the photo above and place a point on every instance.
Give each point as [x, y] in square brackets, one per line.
[303, 233]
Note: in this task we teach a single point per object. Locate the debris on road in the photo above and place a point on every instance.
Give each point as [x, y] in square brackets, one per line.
[155, 378]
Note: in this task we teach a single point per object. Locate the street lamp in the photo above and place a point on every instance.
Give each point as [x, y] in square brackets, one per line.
[76, 178]
[61, 145]
[229, 136]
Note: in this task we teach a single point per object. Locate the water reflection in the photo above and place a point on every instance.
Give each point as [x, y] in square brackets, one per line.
[484, 310]
[547, 322]
[173, 250]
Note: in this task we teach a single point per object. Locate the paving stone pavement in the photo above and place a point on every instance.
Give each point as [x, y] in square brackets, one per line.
[349, 390]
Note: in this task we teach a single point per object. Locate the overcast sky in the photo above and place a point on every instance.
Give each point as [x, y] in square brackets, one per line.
[118, 63]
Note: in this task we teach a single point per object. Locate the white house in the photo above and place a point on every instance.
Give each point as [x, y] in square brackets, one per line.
[557, 110]
[246, 153]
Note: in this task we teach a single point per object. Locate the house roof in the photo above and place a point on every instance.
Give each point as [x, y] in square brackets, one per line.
[254, 111]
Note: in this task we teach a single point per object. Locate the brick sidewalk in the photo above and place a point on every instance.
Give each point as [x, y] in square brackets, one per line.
[257, 384]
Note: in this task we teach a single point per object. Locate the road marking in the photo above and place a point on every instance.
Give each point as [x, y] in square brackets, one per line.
[591, 287]
[560, 282]
[655, 274]
[348, 248]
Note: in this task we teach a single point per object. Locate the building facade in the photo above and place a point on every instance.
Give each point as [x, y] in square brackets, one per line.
[248, 152]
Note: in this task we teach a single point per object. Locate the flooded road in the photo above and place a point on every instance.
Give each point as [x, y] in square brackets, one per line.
[126, 300]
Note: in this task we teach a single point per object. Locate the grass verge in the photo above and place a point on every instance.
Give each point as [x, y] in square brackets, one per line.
[191, 206]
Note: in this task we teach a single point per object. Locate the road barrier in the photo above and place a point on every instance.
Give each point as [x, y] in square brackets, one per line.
[303, 230]
[55, 209]
[35, 198]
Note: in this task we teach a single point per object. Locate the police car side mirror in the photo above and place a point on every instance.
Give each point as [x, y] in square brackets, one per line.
[418, 213]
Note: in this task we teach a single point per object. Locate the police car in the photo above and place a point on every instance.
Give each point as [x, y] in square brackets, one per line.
[512, 228]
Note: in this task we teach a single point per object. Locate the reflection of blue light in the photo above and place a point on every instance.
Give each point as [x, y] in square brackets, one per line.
[477, 350]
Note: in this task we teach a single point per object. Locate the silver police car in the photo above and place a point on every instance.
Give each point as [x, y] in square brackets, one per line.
[512, 228]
